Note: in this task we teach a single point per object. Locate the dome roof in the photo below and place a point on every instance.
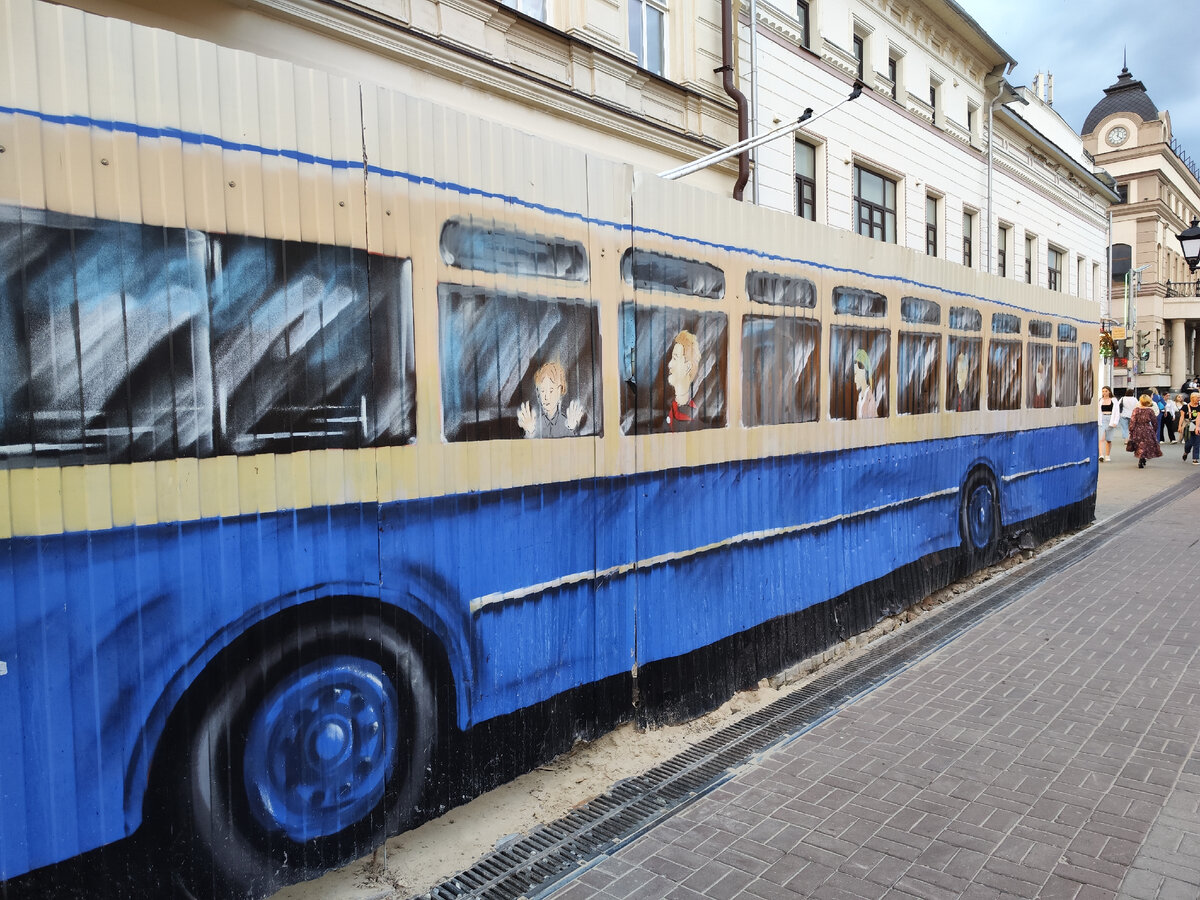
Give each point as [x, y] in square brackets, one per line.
[1127, 95]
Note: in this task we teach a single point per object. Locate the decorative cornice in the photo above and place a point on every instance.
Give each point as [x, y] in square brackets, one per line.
[840, 57]
[919, 108]
[1072, 205]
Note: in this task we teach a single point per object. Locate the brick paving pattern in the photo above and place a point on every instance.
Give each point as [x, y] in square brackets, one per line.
[1051, 751]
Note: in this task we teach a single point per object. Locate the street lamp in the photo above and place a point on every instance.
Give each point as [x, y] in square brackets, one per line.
[1190, 242]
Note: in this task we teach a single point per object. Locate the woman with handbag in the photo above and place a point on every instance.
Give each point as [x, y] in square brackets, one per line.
[1143, 431]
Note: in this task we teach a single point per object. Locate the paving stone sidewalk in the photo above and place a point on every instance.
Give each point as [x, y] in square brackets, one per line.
[1051, 752]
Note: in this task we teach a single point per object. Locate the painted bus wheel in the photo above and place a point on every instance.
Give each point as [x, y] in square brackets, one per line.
[979, 516]
[321, 747]
[310, 753]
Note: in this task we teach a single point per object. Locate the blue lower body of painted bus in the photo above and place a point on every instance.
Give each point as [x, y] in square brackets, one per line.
[523, 593]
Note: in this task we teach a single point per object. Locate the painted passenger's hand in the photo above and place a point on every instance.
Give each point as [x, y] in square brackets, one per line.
[525, 418]
[574, 415]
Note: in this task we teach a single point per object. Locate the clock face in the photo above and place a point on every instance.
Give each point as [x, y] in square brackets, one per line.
[1117, 135]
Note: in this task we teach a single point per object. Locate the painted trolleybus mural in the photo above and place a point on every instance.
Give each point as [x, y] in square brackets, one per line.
[327, 440]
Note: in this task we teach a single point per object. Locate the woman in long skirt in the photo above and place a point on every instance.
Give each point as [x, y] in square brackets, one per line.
[1143, 431]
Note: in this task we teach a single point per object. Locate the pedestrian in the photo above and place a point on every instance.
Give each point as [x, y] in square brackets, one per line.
[1143, 439]
[1189, 419]
[1127, 404]
[1159, 406]
[1110, 426]
[1171, 415]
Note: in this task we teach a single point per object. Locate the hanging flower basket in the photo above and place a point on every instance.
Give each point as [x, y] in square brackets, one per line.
[1107, 350]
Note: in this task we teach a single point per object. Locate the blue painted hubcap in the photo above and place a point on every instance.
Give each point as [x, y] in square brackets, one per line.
[321, 747]
[980, 517]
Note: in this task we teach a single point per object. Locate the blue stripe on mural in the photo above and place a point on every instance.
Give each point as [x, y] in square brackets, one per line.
[207, 140]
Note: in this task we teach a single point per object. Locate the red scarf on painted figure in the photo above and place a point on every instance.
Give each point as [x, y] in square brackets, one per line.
[678, 415]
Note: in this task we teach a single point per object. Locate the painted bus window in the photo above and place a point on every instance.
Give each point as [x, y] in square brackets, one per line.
[1006, 323]
[1087, 375]
[1066, 376]
[487, 247]
[1041, 371]
[964, 356]
[1004, 374]
[130, 342]
[918, 358]
[673, 364]
[1040, 328]
[850, 301]
[291, 324]
[780, 370]
[780, 290]
[1067, 333]
[80, 313]
[963, 318]
[648, 270]
[516, 366]
[919, 311]
[858, 372]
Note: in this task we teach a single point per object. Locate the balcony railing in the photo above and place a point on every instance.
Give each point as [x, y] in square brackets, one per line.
[1178, 150]
[1183, 288]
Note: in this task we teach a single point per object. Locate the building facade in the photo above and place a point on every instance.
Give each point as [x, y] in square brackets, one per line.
[959, 163]
[1154, 297]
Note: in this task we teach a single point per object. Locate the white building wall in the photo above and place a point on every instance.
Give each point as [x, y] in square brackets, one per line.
[1033, 188]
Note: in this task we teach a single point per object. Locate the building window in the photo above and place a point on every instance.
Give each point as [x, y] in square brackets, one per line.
[802, 18]
[893, 75]
[1030, 252]
[875, 205]
[934, 86]
[859, 55]
[646, 35]
[533, 8]
[1053, 269]
[931, 231]
[1122, 260]
[1123, 193]
[968, 233]
[806, 181]
[1002, 251]
[1080, 283]
[973, 122]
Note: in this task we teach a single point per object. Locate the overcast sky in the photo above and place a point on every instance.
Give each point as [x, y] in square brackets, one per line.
[1082, 45]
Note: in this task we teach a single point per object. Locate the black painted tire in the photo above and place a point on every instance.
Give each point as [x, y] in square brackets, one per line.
[344, 703]
[979, 517]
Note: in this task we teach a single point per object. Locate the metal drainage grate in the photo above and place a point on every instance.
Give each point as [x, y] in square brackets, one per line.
[535, 864]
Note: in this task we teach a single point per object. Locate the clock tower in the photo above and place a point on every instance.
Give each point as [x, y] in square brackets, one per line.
[1130, 138]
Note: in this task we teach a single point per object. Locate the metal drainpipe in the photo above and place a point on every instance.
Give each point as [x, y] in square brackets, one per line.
[991, 140]
[754, 95]
[739, 98]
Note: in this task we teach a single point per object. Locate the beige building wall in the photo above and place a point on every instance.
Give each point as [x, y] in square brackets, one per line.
[1162, 198]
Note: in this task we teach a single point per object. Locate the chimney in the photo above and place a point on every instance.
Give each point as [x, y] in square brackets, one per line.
[1049, 88]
